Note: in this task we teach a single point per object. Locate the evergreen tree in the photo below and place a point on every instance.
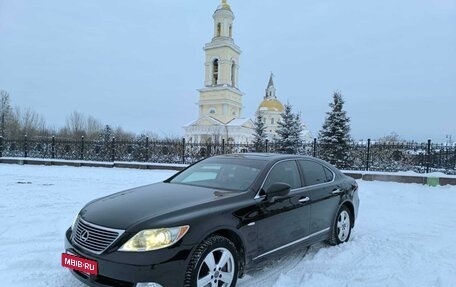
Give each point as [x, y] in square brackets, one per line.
[289, 131]
[334, 137]
[103, 148]
[107, 134]
[260, 134]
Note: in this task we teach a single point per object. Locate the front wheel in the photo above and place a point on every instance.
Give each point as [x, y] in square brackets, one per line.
[215, 263]
[342, 227]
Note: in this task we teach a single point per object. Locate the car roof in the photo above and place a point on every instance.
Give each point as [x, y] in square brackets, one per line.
[272, 158]
[266, 156]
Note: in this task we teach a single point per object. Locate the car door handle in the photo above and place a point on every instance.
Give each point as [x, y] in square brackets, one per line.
[304, 199]
[337, 191]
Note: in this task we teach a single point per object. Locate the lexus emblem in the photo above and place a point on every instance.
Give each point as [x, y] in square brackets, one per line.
[84, 235]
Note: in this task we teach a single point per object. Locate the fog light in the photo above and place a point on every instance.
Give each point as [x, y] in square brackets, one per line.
[148, 284]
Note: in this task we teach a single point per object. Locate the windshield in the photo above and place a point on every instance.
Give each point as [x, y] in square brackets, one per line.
[222, 173]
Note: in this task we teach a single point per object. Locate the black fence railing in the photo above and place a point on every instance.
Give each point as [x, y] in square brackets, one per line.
[369, 155]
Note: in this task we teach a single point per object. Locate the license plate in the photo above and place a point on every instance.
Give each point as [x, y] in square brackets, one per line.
[79, 263]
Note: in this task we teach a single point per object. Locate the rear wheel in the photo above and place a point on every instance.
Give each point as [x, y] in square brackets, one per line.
[342, 227]
[215, 263]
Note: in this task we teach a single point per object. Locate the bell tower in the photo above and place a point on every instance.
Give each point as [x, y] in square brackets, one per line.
[220, 97]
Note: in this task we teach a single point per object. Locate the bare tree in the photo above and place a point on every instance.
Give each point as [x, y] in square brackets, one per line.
[149, 134]
[122, 135]
[94, 127]
[393, 137]
[30, 122]
[76, 124]
[5, 111]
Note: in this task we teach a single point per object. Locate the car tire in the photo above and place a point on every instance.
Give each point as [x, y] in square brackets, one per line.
[342, 227]
[215, 262]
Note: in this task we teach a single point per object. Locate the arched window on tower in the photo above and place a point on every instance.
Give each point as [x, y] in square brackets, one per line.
[231, 31]
[215, 72]
[219, 29]
[233, 74]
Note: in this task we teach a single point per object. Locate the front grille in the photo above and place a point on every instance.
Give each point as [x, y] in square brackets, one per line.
[94, 238]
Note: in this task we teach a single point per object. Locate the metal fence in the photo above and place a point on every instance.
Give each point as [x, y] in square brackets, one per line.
[418, 157]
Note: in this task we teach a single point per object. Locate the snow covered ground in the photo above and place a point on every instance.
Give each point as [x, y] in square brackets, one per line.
[405, 233]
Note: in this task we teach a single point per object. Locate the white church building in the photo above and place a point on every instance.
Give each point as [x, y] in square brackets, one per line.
[220, 100]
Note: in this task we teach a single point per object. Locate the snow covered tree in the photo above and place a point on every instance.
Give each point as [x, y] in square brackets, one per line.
[103, 145]
[334, 137]
[107, 134]
[260, 134]
[289, 131]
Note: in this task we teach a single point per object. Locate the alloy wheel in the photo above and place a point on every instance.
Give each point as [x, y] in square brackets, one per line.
[217, 269]
[343, 226]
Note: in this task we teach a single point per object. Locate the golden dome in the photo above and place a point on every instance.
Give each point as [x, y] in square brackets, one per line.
[271, 105]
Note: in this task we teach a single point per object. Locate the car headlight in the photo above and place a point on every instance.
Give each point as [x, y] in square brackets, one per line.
[153, 239]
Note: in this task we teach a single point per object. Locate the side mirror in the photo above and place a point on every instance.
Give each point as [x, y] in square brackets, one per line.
[278, 189]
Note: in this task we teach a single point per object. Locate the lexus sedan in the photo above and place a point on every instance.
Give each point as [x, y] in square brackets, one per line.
[210, 223]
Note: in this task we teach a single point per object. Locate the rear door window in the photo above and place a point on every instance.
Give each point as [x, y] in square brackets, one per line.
[314, 173]
[329, 174]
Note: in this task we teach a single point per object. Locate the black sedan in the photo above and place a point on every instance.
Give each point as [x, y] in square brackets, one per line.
[211, 222]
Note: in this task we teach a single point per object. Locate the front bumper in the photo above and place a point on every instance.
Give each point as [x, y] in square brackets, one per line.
[124, 269]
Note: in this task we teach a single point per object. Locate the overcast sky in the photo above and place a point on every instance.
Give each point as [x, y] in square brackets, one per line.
[138, 64]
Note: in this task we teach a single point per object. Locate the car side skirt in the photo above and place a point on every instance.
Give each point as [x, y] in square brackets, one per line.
[293, 243]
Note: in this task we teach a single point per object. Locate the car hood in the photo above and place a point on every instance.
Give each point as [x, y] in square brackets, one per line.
[123, 209]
